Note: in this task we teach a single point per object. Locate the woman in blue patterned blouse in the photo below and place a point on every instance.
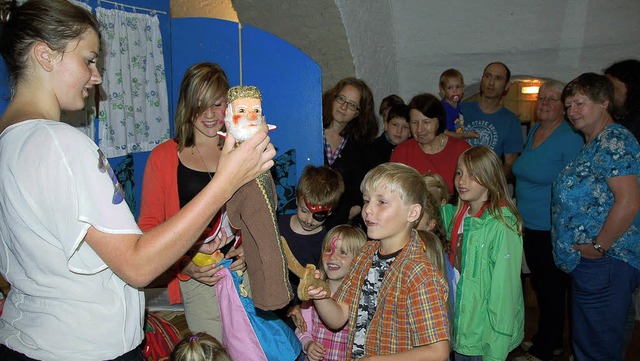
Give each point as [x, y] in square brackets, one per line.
[596, 228]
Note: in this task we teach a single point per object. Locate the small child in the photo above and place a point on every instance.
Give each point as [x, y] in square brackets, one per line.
[486, 247]
[340, 246]
[386, 104]
[200, 347]
[318, 193]
[431, 230]
[437, 187]
[396, 131]
[434, 251]
[411, 321]
[452, 91]
[432, 219]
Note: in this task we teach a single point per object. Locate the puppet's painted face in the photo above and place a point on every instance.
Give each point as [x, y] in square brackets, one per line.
[244, 118]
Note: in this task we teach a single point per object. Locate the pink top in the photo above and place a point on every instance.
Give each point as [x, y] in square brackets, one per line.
[335, 343]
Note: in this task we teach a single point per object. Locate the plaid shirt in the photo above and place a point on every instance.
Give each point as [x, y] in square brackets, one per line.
[411, 303]
[331, 155]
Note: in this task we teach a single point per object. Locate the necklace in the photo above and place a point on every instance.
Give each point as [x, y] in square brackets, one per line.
[202, 159]
[437, 148]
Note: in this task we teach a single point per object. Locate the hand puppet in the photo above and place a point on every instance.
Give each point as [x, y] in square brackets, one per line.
[252, 209]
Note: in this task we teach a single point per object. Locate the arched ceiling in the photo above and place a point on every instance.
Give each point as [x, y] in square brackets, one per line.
[402, 46]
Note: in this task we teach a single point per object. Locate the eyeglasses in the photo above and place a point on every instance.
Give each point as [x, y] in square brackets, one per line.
[548, 99]
[341, 99]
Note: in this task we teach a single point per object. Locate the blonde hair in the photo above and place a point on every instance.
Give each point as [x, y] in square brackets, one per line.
[434, 250]
[437, 187]
[397, 178]
[353, 238]
[200, 347]
[450, 74]
[485, 167]
[432, 212]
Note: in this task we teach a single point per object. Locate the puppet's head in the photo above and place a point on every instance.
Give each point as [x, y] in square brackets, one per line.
[244, 113]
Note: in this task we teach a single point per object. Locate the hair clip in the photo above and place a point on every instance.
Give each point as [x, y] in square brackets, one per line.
[194, 338]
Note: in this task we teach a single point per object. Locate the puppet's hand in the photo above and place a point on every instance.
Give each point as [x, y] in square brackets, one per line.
[309, 279]
[317, 290]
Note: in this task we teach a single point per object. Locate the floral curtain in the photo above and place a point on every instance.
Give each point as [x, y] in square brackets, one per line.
[133, 113]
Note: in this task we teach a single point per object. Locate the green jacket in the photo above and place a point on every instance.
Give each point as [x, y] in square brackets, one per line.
[489, 311]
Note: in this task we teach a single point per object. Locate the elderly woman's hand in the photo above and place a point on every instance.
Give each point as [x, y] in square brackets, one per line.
[588, 251]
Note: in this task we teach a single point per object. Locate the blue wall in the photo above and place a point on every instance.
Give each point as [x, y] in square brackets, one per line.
[289, 80]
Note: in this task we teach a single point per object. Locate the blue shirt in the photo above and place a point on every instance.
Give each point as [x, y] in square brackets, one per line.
[536, 168]
[500, 131]
[452, 115]
[582, 199]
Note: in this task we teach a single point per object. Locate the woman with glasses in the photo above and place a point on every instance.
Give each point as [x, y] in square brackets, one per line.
[550, 145]
[595, 224]
[430, 150]
[349, 123]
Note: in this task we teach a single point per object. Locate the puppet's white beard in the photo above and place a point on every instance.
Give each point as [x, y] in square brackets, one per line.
[242, 128]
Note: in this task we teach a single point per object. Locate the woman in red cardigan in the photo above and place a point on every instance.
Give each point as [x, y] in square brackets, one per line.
[175, 172]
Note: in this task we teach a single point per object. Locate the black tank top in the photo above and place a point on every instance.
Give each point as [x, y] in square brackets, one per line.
[190, 183]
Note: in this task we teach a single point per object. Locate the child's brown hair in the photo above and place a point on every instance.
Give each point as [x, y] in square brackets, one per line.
[320, 185]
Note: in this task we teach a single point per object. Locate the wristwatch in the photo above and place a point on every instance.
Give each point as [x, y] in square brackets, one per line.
[599, 248]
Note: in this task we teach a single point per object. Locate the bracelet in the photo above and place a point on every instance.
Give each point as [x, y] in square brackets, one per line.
[599, 248]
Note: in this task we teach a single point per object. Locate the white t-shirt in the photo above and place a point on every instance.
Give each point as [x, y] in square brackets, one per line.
[64, 303]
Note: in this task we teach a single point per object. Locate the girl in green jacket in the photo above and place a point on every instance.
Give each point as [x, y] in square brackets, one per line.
[486, 248]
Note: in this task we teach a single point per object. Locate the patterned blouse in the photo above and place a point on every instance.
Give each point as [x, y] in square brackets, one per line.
[582, 199]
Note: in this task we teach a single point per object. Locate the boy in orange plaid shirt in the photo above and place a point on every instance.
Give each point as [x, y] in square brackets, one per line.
[394, 299]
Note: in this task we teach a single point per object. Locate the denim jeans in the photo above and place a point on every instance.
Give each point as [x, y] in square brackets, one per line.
[461, 357]
[601, 290]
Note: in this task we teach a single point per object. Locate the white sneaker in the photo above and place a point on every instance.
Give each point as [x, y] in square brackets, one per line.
[526, 345]
[527, 357]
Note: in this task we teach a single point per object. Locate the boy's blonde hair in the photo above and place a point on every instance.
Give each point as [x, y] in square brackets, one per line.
[449, 74]
[353, 238]
[437, 187]
[320, 185]
[485, 167]
[200, 347]
[398, 178]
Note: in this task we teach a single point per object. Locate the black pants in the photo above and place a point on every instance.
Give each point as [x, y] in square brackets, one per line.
[7, 354]
[550, 285]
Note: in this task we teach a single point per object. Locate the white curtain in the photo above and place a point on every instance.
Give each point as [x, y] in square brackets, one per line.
[133, 113]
